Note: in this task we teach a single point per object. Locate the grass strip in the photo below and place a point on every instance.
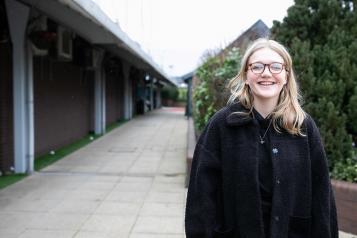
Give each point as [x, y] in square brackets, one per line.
[48, 159]
[115, 125]
[7, 180]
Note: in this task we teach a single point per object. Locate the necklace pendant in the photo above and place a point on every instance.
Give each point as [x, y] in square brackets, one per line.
[262, 141]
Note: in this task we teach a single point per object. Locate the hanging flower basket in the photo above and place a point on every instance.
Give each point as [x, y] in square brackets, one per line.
[43, 39]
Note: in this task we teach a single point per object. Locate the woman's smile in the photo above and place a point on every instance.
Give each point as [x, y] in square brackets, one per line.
[266, 83]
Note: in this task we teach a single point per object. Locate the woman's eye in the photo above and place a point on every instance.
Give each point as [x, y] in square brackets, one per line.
[257, 67]
[276, 66]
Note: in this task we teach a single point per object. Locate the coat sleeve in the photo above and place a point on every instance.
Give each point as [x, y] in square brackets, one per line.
[204, 186]
[324, 218]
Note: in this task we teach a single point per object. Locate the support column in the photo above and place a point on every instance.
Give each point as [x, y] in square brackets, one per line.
[18, 15]
[99, 93]
[152, 93]
[158, 96]
[127, 92]
[130, 96]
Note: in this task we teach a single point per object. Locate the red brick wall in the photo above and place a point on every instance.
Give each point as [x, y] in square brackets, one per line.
[62, 108]
[114, 98]
[6, 108]
[89, 75]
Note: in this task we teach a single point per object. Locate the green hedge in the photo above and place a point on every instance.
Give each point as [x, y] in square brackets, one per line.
[169, 93]
[210, 92]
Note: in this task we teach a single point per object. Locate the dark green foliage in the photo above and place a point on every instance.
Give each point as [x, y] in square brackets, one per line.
[182, 95]
[169, 93]
[210, 92]
[321, 36]
[352, 113]
[346, 170]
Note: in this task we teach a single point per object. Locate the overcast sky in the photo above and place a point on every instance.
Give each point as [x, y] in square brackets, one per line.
[175, 33]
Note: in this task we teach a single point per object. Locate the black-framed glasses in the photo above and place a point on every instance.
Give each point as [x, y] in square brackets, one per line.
[274, 68]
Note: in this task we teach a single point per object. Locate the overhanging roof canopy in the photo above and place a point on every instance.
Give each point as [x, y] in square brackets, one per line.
[86, 19]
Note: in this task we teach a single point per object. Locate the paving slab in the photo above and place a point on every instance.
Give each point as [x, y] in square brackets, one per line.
[128, 183]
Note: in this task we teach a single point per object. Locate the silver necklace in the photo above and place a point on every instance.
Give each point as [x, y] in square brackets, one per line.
[262, 141]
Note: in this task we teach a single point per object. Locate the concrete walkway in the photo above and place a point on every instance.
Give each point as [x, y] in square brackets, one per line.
[128, 183]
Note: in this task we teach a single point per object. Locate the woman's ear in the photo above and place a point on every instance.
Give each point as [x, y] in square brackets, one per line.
[286, 77]
[246, 81]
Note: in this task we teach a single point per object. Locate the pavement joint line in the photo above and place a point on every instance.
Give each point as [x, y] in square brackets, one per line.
[95, 210]
[141, 208]
[147, 145]
[122, 149]
[106, 174]
[155, 233]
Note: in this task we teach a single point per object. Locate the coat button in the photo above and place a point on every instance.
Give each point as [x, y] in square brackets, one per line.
[276, 218]
[275, 150]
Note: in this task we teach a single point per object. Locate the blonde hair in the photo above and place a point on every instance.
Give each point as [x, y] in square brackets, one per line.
[288, 113]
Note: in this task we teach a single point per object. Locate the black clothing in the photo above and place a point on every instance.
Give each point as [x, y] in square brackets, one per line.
[265, 168]
[224, 195]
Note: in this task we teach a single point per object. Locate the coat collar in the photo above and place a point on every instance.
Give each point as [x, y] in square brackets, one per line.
[237, 119]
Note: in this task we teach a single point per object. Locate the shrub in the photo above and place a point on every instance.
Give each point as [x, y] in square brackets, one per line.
[210, 92]
[169, 93]
[321, 36]
[182, 95]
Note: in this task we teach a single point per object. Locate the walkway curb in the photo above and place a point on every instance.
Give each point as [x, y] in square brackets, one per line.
[191, 144]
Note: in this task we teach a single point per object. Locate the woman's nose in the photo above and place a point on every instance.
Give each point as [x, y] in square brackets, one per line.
[266, 71]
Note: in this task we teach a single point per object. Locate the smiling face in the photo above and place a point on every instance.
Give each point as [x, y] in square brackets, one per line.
[266, 86]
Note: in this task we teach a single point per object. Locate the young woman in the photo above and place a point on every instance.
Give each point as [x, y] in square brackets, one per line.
[259, 167]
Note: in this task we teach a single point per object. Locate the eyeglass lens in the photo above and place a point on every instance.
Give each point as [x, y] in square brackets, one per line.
[259, 68]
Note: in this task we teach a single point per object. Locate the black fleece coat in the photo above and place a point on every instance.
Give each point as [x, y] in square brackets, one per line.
[223, 197]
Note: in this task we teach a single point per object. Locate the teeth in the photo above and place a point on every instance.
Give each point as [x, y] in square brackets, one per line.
[266, 83]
